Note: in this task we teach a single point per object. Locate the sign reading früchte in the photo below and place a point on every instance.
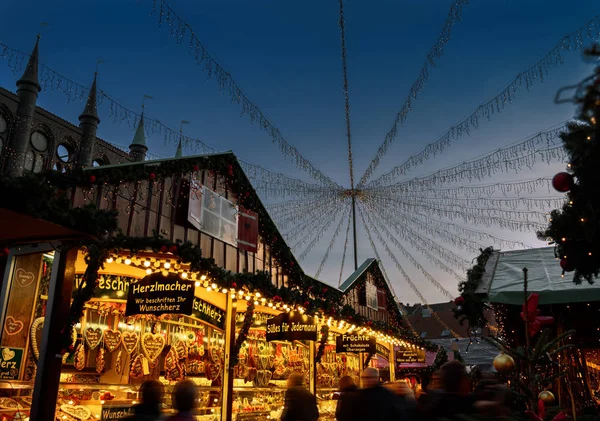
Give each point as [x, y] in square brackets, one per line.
[292, 326]
[157, 294]
[407, 356]
[352, 342]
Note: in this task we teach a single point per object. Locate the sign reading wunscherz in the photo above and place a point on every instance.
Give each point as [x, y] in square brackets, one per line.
[351, 342]
[292, 326]
[157, 294]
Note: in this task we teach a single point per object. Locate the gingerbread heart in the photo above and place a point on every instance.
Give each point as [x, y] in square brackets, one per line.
[93, 337]
[12, 326]
[24, 278]
[76, 411]
[7, 354]
[182, 350]
[213, 371]
[112, 339]
[152, 345]
[129, 341]
[137, 368]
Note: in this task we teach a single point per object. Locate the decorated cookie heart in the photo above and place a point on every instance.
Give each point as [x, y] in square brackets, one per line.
[152, 345]
[12, 326]
[129, 340]
[24, 278]
[119, 362]
[36, 326]
[7, 354]
[112, 339]
[76, 411]
[100, 361]
[213, 371]
[93, 337]
[80, 357]
[8, 403]
[182, 350]
[137, 368]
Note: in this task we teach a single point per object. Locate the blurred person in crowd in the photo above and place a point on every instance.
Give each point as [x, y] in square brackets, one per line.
[300, 404]
[375, 402]
[150, 406]
[406, 396]
[185, 401]
[429, 386]
[454, 398]
[347, 400]
[491, 398]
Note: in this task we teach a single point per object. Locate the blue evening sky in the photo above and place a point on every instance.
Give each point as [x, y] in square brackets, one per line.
[286, 57]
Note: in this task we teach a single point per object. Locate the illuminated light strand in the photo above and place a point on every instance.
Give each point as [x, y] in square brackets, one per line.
[528, 78]
[436, 52]
[332, 243]
[344, 252]
[325, 228]
[179, 29]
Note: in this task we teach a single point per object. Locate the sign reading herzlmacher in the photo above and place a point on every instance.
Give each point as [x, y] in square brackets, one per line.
[292, 326]
[157, 294]
[353, 342]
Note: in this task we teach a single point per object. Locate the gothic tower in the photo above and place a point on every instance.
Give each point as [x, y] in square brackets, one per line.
[138, 148]
[88, 123]
[28, 88]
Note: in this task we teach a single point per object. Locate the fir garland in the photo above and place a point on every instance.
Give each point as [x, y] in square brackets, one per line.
[322, 343]
[470, 306]
[243, 335]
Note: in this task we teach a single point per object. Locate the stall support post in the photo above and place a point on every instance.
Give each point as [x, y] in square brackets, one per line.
[392, 364]
[312, 368]
[227, 395]
[47, 377]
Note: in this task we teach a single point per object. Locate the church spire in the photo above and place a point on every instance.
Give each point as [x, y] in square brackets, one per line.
[179, 152]
[138, 148]
[30, 76]
[88, 123]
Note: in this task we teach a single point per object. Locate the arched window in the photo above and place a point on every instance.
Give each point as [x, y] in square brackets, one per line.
[3, 132]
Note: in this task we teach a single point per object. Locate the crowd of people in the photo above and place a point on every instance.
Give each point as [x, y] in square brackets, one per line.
[446, 395]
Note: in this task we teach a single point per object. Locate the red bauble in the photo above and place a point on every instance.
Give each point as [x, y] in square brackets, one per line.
[325, 290]
[92, 179]
[173, 249]
[164, 249]
[459, 300]
[562, 182]
[152, 176]
[195, 168]
[5, 251]
[306, 304]
[567, 265]
[233, 285]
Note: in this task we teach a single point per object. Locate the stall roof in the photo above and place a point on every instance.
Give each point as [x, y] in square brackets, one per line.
[503, 279]
[19, 228]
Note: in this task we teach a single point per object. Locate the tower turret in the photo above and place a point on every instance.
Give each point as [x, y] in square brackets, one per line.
[138, 148]
[28, 88]
[88, 123]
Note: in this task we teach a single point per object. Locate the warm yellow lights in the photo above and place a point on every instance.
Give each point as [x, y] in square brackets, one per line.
[214, 286]
[224, 291]
[147, 263]
[109, 260]
[197, 284]
[167, 265]
[184, 275]
[148, 271]
[127, 261]
[203, 278]
[208, 288]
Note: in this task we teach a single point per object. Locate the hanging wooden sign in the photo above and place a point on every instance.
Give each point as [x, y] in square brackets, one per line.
[292, 326]
[109, 286]
[157, 294]
[409, 356]
[204, 310]
[353, 342]
[10, 363]
[384, 351]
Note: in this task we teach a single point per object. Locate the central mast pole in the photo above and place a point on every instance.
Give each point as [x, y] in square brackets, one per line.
[354, 230]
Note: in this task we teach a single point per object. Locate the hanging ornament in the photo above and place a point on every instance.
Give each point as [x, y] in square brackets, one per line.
[566, 265]
[459, 300]
[547, 397]
[562, 182]
[504, 364]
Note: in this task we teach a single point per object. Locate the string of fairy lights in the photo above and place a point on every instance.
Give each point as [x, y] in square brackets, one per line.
[431, 220]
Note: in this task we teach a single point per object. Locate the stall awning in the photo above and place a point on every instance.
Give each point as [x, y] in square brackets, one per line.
[18, 228]
[503, 279]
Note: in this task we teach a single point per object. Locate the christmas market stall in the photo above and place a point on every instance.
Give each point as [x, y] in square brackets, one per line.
[181, 273]
[554, 307]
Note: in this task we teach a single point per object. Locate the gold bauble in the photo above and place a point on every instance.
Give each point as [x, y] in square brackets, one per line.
[504, 364]
[547, 397]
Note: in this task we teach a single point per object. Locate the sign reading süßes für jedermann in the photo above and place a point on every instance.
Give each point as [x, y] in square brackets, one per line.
[354, 342]
[157, 294]
[292, 326]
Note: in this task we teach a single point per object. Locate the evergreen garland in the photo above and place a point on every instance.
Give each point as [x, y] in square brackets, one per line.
[575, 229]
[322, 343]
[470, 306]
[242, 336]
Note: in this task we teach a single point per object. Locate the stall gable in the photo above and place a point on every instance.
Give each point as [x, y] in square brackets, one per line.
[367, 292]
[161, 206]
